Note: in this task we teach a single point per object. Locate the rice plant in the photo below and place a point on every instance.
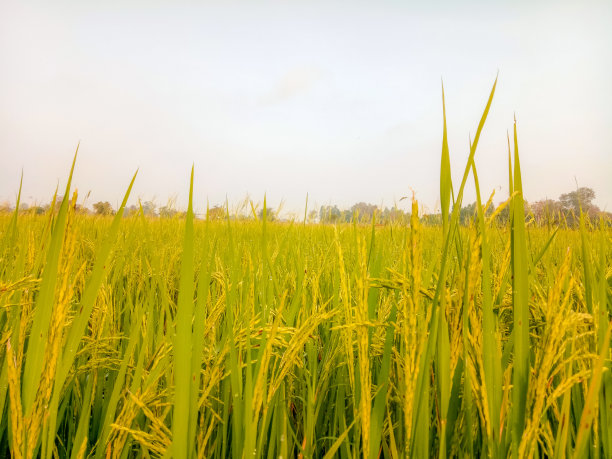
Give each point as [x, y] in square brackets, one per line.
[183, 337]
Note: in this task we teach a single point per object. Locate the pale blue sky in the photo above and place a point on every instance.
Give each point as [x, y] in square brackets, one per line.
[340, 100]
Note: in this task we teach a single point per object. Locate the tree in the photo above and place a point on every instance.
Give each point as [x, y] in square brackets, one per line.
[103, 208]
[346, 216]
[148, 208]
[82, 210]
[216, 213]
[131, 211]
[546, 211]
[312, 216]
[394, 215]
[167, 212]
[575, 200]
[329, 214]
[431, 219]
[467, 213]
[270, 214]
[363, 212]
[470, 212]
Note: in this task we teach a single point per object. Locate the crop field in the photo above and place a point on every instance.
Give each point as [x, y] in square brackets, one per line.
[182, 337]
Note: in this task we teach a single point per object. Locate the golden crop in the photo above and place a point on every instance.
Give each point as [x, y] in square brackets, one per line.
[140, 337]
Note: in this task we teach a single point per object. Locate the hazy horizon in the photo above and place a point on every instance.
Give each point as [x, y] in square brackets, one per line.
[338, 100]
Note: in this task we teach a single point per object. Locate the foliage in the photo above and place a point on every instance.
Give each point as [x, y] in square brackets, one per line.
[103, 208]
[148, 208]
[216, 213]
[580, 199]
[329, 214]
[363, 212]
[567, 210]
[270, 214]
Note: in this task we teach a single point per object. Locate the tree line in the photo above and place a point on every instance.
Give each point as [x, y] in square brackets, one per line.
[565, 210]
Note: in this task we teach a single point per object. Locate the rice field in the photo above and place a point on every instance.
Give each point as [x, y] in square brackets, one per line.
[182, 337]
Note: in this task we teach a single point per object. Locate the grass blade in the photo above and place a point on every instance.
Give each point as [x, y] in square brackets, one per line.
[183, 335]
[520, 294]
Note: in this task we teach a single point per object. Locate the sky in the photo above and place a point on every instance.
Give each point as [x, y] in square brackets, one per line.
[338, 100]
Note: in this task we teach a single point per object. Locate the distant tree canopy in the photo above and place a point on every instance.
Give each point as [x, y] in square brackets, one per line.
[312, 216]
[270, 214]
[466, 213]
[549, 211]
[363, 212]
[394, 215]
[167, 212]
[329, 214]
[148, 208]
[581, 198]
[470, 211]
[565, 211]
[103, 208]
[567, 208]
[217, 213]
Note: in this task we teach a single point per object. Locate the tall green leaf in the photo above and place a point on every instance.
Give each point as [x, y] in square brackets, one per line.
[520, 307]
[183, 336]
